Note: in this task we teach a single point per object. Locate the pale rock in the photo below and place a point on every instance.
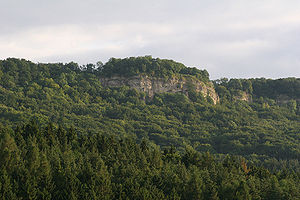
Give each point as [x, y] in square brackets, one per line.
[153, 85]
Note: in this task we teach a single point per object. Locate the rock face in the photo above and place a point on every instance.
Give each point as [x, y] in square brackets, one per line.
[153, 85]
[243, 96]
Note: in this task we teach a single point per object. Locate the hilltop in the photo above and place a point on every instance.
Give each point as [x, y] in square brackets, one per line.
[154, 76]
[147, 65]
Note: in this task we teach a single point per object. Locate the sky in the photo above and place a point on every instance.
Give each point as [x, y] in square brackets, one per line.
[229, 38]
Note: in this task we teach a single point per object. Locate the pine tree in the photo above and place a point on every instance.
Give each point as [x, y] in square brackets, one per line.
[6, 187]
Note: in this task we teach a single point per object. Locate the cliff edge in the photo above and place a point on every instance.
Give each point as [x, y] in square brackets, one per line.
[152, 85]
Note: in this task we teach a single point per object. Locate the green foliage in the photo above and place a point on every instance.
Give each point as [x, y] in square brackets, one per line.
[150, 66]
[287, 88]
[264, 130]
[53, 164]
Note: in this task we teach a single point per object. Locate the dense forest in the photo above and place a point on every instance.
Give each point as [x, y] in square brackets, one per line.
[56, 163]
[65, 136]
[149, 66]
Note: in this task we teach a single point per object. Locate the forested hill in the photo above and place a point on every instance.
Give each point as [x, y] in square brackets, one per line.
[149, 66]
[280, 90]
[56, 117]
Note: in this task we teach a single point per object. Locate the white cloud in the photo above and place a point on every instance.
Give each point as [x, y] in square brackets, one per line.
[229, 38]
[73, 39]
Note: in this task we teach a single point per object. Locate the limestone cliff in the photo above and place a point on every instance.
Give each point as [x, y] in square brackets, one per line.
[153, 85]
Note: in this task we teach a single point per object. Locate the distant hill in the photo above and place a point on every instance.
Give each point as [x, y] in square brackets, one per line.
[278, 90]
[255, 118]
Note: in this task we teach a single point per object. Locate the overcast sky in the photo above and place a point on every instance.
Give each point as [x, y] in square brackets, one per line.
[229, 38]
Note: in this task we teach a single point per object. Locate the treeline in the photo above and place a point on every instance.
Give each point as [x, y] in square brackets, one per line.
[279, 89]
[52, 162]
[149, 66]
[261, 131]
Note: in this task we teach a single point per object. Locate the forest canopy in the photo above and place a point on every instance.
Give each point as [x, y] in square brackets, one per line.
[150, 66]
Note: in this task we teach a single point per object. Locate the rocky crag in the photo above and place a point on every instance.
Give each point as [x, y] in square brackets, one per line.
[152, 85]
[243, 96]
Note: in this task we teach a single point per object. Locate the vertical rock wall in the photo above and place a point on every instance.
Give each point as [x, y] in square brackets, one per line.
[153, 85]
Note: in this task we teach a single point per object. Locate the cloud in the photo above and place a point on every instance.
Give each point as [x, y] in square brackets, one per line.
[229, 38]
[66, 40]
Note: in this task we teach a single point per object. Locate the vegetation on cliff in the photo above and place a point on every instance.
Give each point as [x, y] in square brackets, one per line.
[149, 66]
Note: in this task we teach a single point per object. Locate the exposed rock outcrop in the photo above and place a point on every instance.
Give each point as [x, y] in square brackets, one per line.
[243, 96]
[153, 85]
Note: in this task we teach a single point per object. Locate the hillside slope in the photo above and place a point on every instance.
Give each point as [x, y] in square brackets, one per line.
[262, 130]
